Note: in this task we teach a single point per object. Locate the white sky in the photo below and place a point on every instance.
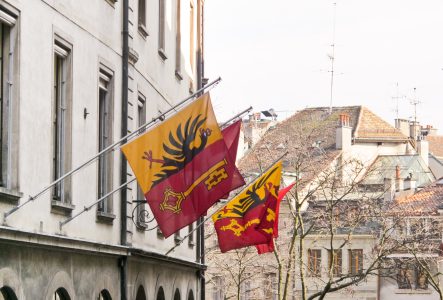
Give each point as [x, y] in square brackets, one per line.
[274, 54]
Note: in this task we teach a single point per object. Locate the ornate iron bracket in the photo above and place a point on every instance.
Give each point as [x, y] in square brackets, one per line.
[141, 217]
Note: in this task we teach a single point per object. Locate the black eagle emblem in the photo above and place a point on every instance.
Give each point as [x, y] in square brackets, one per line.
[252, 199]
[188, 141]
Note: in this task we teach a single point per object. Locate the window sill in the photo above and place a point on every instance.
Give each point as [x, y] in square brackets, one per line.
[162, 54]
[177, 239]
[9, 196]
[411, 291]
[160, 234]
[111, 2]
[178, 75]
[105, 217]
[143, 31]
[61, 208]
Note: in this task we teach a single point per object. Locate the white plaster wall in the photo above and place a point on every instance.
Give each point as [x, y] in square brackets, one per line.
[367, 288]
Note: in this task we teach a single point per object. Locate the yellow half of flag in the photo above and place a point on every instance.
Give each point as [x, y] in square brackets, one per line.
[166, 148]
[256, 194]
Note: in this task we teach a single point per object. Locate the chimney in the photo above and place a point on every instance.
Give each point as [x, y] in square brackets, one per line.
[410, 183]
[423, 150]
[399, 184]
[414, 130]
[403, 126]
[389, 188]
[343, 136]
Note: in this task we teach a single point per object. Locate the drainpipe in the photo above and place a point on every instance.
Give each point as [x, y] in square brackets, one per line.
[200, 83]
[124, 132]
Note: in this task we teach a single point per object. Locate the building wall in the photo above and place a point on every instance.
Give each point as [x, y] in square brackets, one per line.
[93, 29]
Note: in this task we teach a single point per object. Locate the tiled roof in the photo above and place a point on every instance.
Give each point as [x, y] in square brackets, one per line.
[435, 144]
[309, 136]
[425, 201]
[371, 126]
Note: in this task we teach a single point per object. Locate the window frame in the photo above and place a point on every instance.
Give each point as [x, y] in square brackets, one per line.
[105, 132]
[355, 267]
[9, 186]
[314, 260]
[162, 29]
[337, 267]
[142, 29]
[62, 124]
[178, 47]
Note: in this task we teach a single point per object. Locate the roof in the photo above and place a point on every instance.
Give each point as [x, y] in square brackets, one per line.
[435, 144]
[385, 167]
[371, 126]
[425, 201]
[310, 135]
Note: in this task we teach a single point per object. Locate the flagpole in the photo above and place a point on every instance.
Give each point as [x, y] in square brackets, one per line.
[160, 117]
[86, 208]
[207, 218]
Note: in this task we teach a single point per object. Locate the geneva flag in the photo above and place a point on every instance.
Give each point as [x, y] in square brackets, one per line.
[269, 247]
[183, 166]
[248, 219]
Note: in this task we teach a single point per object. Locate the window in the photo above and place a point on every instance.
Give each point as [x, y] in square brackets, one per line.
[141, 120]
[177, 295]
[178, 51]
[270, 286]
[191, 295]
[191, 37]
[161, 28]
[142, 18]
[411, 277]
[336, 263]
[355, 261]
[191, 235]
[217, 288]
[7, 293]
[141, 295]
[61, 118]
[61, 294]
[314, 262]
[160, 294]
[105, 139]
[8, 102]
[104, 295]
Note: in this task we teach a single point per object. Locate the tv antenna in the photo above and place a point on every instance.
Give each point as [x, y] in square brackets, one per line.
[397, 98]
[332, 58]
[414, 101]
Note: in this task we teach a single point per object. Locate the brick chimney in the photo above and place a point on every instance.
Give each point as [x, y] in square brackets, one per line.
[343, 136]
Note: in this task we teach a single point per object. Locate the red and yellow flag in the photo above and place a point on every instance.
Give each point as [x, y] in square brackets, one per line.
[183, 166]
[249, 218]
[269, 247]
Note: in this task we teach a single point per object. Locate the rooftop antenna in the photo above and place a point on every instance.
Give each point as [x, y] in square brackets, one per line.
[332, 58]
[397, 98]
[415, 102]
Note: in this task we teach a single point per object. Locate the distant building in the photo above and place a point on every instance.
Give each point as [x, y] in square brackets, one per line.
[328, 140]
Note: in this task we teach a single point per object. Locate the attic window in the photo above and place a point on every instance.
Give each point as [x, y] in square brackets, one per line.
[280, 146]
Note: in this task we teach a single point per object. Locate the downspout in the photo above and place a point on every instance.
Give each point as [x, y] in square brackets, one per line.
[200, 75]
[124, 132]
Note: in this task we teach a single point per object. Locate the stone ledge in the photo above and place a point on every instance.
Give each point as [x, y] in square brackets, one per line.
[59, 207]
[10, 196]
[104, 217]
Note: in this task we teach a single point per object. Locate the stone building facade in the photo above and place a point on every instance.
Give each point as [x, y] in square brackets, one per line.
[76, 76]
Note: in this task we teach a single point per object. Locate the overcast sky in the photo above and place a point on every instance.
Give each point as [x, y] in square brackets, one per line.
[274, 54]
